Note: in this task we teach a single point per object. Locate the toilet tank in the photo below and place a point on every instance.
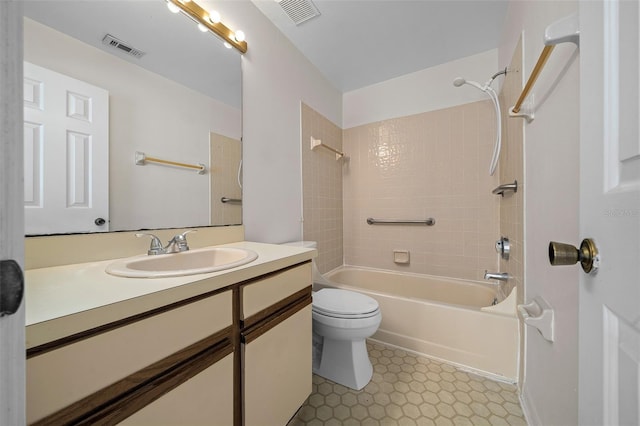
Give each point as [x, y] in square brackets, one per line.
[305, 244]
[319, 281]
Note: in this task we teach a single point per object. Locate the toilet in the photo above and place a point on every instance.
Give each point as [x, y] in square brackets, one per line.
[342, 320]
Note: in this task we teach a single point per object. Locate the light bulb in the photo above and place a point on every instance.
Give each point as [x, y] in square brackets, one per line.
[172, 7]
[203, 28]
[227, 45]
[239, 36]
[214, 16]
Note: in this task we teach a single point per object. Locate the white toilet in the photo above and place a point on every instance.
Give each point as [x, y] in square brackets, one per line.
[342, 320]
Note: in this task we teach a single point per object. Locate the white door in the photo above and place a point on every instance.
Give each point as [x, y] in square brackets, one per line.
[12, 346]
[609, 341]
[66, 143]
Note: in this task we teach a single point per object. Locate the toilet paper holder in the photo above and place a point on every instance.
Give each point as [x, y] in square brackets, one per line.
[538, 314]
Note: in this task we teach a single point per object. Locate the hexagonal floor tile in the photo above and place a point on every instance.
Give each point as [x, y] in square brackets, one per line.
[411, 389]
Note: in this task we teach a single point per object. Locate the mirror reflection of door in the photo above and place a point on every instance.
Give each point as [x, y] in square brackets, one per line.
[66, 161]
[226, 180]
[163, 103]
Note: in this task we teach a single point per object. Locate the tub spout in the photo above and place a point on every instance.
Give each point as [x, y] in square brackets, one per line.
[500, 276]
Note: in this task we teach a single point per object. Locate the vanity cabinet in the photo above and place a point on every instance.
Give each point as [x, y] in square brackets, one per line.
[236, 355]
[112, 373]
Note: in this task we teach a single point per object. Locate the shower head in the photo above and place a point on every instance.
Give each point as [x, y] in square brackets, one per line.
[459, 81]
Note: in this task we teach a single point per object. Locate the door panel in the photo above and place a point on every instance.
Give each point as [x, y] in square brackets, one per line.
[609, 343]
[66, 138]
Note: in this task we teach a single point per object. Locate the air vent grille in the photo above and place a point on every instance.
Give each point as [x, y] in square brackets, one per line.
[113, 42]
[299, 10]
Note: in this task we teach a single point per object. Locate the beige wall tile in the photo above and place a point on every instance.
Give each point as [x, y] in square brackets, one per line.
[433, 164]
[322, 189]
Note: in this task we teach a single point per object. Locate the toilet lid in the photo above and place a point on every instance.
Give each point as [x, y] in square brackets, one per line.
[343, 302]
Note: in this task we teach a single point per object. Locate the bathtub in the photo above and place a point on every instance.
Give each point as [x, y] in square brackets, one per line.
[465, 323]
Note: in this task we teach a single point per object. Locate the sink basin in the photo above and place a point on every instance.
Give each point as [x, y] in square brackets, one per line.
[200, 261]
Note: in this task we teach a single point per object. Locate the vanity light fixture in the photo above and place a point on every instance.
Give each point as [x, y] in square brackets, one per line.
[172, 7]
[214, 16]
[209, 21]
[239, 36]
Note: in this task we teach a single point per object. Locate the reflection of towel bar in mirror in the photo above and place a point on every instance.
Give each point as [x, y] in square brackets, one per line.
[318, 143]
[230, 200]
[142, 159]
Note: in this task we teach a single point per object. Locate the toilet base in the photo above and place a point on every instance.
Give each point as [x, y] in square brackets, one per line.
[345, 362]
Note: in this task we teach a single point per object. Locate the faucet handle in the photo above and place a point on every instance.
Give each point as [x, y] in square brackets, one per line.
[156, 244]
[184, 234]
[180, 240]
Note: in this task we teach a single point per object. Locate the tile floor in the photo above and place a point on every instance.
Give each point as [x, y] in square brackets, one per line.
[411, 390]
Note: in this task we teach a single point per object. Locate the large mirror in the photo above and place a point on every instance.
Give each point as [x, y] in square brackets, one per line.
[172, 93]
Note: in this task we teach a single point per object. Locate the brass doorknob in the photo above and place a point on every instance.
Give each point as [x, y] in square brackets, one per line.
[566, 254]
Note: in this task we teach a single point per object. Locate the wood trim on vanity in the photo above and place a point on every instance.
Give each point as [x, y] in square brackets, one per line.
[123, 398]
[238, 413]
[258, 324]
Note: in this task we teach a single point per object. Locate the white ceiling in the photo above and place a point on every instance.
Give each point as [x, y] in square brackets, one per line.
[356, 43]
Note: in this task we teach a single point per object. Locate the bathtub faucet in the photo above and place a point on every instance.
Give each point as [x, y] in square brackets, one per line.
[500, 276]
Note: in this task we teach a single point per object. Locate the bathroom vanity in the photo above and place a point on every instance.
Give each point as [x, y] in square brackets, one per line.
[229, 347]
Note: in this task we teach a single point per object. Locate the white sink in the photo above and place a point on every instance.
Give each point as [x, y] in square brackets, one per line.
[200, 261]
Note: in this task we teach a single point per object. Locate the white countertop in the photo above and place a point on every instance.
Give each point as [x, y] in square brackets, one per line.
[65, 300]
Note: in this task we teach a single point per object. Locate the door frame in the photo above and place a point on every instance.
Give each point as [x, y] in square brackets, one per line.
[12, 327]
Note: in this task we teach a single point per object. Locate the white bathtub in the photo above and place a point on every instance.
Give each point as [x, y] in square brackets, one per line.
[448, 319]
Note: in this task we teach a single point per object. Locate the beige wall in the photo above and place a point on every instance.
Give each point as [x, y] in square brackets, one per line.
[433, 164]
[551, 197]
[322, 188]
[276, 77]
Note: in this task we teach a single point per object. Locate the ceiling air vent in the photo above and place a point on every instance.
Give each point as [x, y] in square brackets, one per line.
[299, 10]
[111, 41]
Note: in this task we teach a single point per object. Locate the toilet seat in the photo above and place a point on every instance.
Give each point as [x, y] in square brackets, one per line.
[338, 303]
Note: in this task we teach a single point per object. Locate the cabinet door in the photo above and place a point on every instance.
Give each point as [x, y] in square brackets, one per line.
[277, 371]
[206, 399]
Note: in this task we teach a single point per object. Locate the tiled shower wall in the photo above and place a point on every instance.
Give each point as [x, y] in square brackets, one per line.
[433, 164]
[512, 168]
[322, 188]
[226, 154]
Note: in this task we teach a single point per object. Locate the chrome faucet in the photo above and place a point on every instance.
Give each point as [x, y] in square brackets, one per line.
[176, 244]
[500, 276]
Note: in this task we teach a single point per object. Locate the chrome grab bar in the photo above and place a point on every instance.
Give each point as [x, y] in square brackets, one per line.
[500, 190]
[230, 200]
[428, 222]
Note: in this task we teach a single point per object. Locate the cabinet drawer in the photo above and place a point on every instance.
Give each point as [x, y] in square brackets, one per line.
[271, 290]
[206, 399]
[63, 376]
